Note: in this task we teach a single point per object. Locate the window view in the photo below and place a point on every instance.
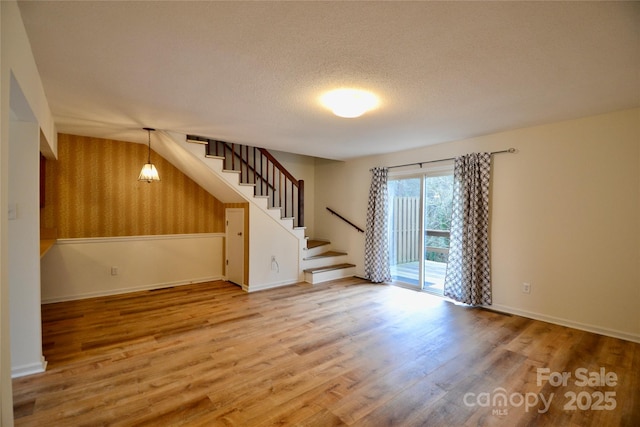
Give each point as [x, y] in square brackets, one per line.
[438, 204]
[419, 224]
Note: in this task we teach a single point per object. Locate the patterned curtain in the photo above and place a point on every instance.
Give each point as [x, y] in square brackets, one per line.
[468, 278]
[376, 244]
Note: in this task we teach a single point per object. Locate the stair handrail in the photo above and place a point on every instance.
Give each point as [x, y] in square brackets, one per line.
[278, 165]
[232, 149]
[345, 220]
[299, 184]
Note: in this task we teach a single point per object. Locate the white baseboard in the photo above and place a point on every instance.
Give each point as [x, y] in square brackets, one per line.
[265, 286]
[566, 322]
[30, 369]
[120, 291]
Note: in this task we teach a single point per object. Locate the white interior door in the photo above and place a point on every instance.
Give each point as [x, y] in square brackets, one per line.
[234, 245]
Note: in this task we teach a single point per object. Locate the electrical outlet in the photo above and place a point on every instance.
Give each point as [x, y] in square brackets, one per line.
[114, 271]
[526, 288]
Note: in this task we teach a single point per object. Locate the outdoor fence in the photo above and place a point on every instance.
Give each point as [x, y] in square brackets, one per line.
[404, 227]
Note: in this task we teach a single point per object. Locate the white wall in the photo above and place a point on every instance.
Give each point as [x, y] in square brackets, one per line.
[268, 238]
[343, 187]
[24, 250]
[81, 268]
[16, 61]
[565, 217]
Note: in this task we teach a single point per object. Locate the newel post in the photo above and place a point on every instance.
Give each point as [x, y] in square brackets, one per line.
[301, 203]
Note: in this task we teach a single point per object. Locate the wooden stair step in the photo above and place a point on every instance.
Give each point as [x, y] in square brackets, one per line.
[197, 140]
[312, 243]
[328, 268]
[325, 255]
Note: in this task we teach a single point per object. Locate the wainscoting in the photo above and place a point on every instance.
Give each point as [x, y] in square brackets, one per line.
[90, 267]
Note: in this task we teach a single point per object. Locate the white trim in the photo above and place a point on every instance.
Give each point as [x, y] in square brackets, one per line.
[67, 241]
[265, 286]
[120, 291]
[33, 368]
[566, 322]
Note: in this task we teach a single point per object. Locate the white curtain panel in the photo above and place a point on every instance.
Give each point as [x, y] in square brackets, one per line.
[376, 245]
[468, 278]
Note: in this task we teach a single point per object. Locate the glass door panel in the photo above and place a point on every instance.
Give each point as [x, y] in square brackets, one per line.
[405, 231]
[438, 203]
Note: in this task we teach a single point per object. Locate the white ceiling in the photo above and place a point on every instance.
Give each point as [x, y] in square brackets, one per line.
[252, 72]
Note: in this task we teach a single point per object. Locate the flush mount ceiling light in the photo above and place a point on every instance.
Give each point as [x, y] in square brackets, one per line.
[349, 103]
[149, 172]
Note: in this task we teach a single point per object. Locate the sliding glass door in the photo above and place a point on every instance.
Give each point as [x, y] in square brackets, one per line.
[419, 224]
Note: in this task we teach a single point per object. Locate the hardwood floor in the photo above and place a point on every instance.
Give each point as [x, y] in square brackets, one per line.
[343, 353]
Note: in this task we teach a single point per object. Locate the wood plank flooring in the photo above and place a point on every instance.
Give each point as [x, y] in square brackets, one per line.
[343, 353]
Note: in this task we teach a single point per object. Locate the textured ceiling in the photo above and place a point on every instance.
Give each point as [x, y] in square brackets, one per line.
[252, 72]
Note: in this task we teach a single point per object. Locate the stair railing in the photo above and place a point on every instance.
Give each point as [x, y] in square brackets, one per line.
[345, 220]
[258, 167]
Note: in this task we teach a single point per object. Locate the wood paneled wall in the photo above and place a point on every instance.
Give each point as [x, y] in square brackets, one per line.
[92, 190]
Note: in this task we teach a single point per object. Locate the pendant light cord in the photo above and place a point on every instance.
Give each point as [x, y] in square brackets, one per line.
[149, 142]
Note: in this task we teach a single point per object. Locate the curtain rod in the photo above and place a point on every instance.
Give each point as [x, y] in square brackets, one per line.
[510, 150]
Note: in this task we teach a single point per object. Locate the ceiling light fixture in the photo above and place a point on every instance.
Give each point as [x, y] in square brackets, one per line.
[349, 103]
[149, 172]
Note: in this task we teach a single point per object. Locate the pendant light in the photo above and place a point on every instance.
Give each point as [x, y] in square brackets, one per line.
[149, 172]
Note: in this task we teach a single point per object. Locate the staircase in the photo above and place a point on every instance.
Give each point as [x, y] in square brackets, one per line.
[284, 194]
[323, 264]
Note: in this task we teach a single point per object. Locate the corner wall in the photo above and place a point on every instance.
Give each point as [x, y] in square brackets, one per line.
[24, 245]
[565, 217]
[16, 61]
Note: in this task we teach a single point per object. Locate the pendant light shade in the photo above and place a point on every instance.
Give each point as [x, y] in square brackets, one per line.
[149, 172]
